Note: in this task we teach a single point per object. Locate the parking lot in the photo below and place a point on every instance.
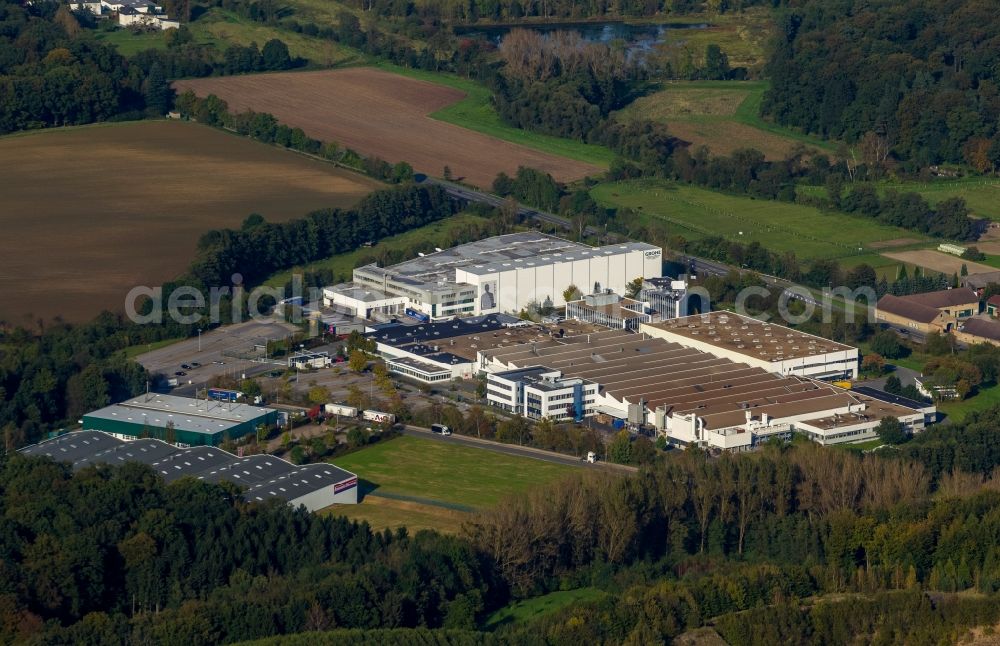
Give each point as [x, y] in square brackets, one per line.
[210, 352]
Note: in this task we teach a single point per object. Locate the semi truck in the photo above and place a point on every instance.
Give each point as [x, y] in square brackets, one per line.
[378, 417]
[223, 395]
[340, 409]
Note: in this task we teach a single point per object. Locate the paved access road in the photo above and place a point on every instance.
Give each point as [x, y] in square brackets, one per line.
[513, 449]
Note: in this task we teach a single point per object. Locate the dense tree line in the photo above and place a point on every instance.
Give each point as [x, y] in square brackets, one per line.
[744, 532]
[53, 72]
[257, 251]
[52, 76]
[111, 554]
[114, 556]
[916, 80]
[490, 225]
[507, 10]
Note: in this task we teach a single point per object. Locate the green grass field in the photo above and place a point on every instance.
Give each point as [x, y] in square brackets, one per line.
[984, 399]
[425, 237]
[982, 194]
[224, 28]
[129, 43]
[723, 115]
[779, 226]
[535, 607]
[423, 483]
[449, 473]
[475, 113]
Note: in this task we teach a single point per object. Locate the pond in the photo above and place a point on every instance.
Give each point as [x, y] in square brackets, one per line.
[638, 37]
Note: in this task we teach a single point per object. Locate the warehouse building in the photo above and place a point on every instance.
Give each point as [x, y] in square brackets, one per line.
[504, 273]
[770, 346]
[181, 420]
[693, 396]
[314, 486]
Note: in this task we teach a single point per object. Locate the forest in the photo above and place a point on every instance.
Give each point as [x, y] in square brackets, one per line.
[741, 543]
[918, 77]
[54, 73]
[504, 10]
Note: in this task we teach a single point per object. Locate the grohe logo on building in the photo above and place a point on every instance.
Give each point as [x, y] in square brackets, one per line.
[655, 253]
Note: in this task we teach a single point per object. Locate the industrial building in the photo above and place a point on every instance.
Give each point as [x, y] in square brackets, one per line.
[538, 392]
[610, 310]
[443, 350]
[314, 486]
[184, 420]
[504, 273]
[666, 296]
[363, 301]
[770, 346]
[692, 395]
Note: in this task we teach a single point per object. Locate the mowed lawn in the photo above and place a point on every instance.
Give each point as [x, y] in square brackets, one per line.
[451, 473]
[697, 213]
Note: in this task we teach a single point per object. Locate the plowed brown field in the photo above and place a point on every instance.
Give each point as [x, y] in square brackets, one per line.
[89, 213]
[385, 115]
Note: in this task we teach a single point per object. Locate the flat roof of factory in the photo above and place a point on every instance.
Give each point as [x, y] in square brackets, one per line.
[498, 253]
[456, 339]
[634, 366]
[186, 413]
[749, 336]
[264, 476]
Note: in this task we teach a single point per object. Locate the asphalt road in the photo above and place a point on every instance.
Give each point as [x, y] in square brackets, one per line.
[517, 451]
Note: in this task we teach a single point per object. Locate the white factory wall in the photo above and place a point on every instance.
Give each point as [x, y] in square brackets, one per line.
[519, 286]
[359, 307]
[463, 370]
[322, 498]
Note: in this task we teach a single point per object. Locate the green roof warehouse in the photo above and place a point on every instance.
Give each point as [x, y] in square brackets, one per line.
[194, 422]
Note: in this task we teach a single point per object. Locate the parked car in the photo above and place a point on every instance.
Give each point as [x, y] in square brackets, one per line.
[195, 364]
[185, 366]
[181, 373]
